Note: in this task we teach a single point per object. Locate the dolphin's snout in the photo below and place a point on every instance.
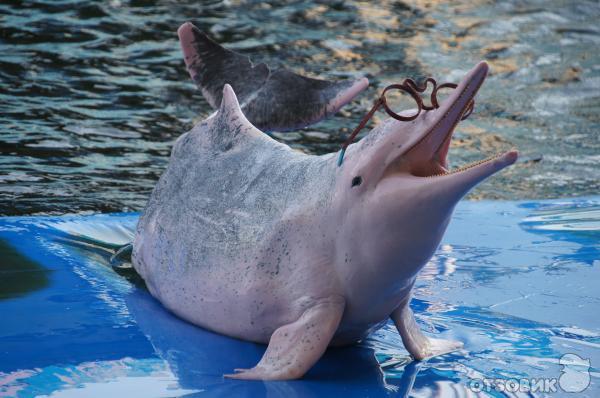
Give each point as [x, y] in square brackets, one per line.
[430, 135]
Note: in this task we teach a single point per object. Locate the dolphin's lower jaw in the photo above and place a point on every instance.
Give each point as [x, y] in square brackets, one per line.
[428, 156]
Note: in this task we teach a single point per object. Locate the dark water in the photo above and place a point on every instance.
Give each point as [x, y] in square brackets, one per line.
[92, 94]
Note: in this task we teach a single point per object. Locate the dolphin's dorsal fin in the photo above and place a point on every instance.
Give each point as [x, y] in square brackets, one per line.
[231, 116]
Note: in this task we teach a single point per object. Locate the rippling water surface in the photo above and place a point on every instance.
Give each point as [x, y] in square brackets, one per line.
[93, 94]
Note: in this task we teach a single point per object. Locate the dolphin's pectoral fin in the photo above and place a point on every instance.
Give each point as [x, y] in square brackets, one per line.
[274, 101]
[294, 348]
[415, 342]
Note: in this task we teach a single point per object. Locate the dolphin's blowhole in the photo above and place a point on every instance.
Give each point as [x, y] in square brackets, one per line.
[356, 181]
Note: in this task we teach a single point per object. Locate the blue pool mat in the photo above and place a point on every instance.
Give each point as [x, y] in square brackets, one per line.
[516, 281]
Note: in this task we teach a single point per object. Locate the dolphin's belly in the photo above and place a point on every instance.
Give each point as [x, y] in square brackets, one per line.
[220, 302]
[246, 297]
[248, 306]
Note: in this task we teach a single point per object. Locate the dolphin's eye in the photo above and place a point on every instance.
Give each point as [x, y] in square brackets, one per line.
[356, 181]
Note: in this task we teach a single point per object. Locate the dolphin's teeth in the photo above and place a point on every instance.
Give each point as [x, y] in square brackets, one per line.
[467, 166]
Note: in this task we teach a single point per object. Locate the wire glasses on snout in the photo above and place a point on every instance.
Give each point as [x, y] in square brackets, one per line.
[414, 90]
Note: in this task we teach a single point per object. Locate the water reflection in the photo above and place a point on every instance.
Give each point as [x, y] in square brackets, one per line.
[18, 274]
[572, 221]
[199, 359]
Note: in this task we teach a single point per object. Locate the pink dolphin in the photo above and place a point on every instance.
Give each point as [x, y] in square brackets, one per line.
[246, 237]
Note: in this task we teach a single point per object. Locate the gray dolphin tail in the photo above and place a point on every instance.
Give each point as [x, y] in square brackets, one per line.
[277, 100]
[110, 242]
[211, 66]
[122, 255]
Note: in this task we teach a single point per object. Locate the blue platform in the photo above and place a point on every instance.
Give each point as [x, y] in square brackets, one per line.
[517, 282]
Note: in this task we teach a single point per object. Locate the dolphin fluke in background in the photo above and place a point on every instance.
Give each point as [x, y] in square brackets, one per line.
[278, 100]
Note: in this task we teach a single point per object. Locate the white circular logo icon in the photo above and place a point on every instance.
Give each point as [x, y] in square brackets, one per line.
[575, 373]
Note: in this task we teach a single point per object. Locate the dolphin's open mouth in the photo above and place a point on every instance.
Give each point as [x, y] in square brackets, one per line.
[429, 155]
[468, 165]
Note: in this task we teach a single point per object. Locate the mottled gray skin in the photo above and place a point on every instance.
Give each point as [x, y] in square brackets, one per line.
[277, 100]
[248, 238]
[222, 215]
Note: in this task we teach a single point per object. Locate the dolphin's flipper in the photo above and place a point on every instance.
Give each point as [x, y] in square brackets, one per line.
[296, 347]
[277, 100]
[416, 343]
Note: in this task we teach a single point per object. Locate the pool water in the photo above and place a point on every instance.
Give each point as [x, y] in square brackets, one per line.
[517, 282]
[93, 94]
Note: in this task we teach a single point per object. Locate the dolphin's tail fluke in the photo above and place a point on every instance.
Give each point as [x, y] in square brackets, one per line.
[106, 235]
[278, 100]
[123, 254]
